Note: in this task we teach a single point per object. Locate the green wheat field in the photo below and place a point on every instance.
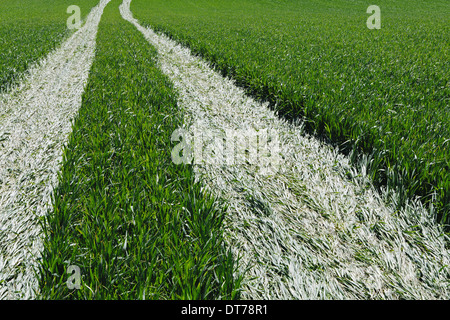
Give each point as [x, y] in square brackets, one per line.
[141, 227]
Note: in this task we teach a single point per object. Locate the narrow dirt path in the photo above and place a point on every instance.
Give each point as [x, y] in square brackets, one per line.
[315, 228]
[35, 121]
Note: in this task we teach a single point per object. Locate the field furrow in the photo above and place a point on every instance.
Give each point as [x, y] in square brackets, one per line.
[36, 118]
[314, 227]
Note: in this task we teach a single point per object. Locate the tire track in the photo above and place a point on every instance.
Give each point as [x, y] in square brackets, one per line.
[35, 121]
[316, 229]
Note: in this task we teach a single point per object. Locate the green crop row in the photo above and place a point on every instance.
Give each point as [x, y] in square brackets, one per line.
[29, 30]
[383, 93]
[136, 224]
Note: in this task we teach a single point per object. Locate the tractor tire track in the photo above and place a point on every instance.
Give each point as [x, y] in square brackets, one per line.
[35, 122]
[317, 229]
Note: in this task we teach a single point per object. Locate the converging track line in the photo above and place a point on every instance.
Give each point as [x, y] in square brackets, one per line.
[308, 231]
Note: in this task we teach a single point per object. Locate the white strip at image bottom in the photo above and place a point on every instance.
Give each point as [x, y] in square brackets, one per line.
[308, 231]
